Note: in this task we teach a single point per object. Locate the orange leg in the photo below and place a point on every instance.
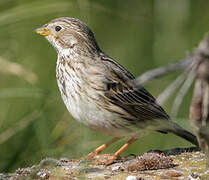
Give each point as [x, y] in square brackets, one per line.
[117, 153]
[102, 147]
[128, 143]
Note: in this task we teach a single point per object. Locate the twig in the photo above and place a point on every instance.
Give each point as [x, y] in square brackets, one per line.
[175, 85]
[171, 89]
[161, 71]
[184, 89]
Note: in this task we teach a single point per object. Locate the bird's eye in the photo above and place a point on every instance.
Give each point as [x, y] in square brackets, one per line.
[58, 28]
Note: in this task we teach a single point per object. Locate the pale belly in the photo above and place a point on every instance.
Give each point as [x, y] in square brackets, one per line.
[85, 110]
[95, 117]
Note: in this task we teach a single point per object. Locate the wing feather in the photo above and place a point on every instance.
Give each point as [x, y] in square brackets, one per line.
[123, 91]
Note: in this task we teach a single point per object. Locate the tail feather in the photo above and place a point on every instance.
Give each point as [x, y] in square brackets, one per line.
[179, 131]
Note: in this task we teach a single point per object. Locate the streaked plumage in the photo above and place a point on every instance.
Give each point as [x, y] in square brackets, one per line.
[99, 92]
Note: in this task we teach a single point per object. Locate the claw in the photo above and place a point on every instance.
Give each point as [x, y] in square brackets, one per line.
[92, 155]
[104, 159]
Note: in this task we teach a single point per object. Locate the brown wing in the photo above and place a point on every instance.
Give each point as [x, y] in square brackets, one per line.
[139, 104]
[134, 99]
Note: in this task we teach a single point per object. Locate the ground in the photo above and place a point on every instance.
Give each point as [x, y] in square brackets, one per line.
[173, 164]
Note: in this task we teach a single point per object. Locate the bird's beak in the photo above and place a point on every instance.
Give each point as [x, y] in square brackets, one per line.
[43, 31]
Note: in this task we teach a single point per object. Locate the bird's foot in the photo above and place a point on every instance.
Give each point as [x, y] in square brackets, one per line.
[103, 159]
[92, 155]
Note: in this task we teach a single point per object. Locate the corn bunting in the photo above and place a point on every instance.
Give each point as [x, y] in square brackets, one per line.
[99, 92]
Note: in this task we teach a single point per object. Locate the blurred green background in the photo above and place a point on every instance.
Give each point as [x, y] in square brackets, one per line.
[140, 35]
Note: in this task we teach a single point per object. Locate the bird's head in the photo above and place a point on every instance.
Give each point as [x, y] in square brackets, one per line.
[69, 33]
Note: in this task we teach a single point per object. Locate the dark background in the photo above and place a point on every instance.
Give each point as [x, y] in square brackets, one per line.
[140, 35]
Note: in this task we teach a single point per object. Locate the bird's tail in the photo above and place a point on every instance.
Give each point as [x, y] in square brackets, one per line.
[179, 131]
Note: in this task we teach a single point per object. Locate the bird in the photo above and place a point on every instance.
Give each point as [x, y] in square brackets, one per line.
[100, 92]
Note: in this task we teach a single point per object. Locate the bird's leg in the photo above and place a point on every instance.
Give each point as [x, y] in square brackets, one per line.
[129, 142]
[117, 153]
[107, 159]
[101, 148]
